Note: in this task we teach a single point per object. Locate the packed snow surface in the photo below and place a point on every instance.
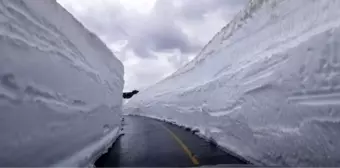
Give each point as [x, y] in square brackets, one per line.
[267, 86]
[60, 86]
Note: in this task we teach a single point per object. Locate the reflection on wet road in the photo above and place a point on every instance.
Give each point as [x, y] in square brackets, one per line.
[152, 143]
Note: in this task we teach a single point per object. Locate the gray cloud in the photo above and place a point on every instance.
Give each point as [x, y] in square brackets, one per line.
[168, 28]
[155, 39]
[198, 8]
[158, 31]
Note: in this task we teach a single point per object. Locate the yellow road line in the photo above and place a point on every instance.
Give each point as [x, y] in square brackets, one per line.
[184, 147]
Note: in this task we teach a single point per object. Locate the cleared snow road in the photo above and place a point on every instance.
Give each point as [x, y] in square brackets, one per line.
[148, 142]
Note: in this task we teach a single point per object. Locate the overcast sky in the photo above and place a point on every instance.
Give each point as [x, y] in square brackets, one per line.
[153, 38]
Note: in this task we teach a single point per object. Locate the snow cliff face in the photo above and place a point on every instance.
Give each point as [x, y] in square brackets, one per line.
[60, 86]
[267, 86]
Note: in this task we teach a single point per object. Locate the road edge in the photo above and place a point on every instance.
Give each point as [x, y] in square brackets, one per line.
[88, 155]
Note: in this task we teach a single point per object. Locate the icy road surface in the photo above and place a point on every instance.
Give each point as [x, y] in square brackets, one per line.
[152, 143]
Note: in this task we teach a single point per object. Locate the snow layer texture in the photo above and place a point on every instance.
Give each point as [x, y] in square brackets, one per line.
[60, 86]
[267, 86]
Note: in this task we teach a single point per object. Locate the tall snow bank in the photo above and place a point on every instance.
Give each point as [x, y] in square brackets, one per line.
[266, 87]
[60, 86]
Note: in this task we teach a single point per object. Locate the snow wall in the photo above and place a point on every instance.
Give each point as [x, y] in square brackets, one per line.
[60, 87]
[267, 86]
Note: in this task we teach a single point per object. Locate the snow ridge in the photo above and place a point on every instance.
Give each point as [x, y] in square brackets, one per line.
[268, 82]
[60, 86]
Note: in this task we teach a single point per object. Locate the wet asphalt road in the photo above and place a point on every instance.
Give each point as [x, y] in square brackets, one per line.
[152, 143]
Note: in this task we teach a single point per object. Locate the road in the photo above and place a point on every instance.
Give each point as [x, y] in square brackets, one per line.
[151, 143]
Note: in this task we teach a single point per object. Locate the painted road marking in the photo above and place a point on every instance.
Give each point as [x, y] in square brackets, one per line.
[184, 147]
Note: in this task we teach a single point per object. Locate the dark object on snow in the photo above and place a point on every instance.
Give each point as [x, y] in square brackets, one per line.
[128, 95]
[195, 131]
[188, 129]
